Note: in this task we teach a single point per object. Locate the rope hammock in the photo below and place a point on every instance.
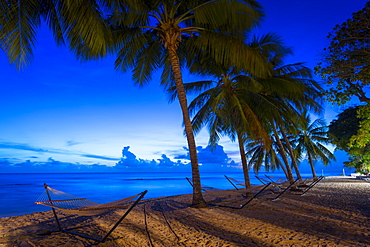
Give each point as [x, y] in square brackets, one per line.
[204, 187]
[234, 182]
[81, 206]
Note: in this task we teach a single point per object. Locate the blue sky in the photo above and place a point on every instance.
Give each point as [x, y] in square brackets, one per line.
[61, 113]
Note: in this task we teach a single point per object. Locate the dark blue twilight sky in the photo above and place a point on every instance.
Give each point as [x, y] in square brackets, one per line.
[59, 114]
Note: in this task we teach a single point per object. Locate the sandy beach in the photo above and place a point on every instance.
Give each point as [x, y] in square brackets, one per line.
[334, 213]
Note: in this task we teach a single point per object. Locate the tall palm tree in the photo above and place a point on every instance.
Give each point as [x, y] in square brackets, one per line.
[311, 140]
[165, 33]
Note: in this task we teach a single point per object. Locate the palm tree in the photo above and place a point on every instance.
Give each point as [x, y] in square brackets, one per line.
[290, 150]
[165, 34]
[236, 104]
[262, 155]
[80, 24]
[310, 141]
[289, 104]
[230, 108]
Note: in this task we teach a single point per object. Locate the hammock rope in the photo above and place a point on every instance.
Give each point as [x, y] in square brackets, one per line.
[73, 204]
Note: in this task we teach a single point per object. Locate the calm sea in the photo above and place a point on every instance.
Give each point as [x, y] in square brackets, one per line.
[19, 191]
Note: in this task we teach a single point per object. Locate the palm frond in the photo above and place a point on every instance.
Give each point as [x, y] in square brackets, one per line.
[149, 60]
[19, 21]
[229, 16]
[85, 26]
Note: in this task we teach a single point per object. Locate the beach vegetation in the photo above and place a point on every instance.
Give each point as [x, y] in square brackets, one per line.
[285, 125]
[268, 157]
[345, 68]
[311, 141]
[284, 128]
[344, 131]
[345, 63]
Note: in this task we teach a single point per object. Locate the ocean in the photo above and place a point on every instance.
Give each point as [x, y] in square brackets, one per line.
[18, 191]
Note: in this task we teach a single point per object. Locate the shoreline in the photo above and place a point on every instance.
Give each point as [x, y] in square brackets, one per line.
[334, 213]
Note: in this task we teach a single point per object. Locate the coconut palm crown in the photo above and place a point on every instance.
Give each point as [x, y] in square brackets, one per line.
[310, 141]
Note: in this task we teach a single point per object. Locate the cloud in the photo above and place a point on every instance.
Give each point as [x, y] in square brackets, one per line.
[21, 146]
[167, 162]
[129, 161]
[27, 147]
[99, 157]
[51, 165]
[209, 159]
[72, 143]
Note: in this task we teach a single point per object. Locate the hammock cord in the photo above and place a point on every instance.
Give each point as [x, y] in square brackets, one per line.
[74, 204]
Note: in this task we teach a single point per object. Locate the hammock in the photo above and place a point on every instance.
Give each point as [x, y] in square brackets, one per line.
[275, 179]
[234, 182]
[81, 206]
[205, 188]
[314, 181]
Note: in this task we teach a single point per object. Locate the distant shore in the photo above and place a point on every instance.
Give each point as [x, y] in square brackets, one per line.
[333, 213]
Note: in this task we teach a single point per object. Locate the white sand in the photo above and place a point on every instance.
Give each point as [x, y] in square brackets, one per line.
[334, 213]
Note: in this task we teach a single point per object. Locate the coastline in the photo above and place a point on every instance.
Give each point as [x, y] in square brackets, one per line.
[334, 213]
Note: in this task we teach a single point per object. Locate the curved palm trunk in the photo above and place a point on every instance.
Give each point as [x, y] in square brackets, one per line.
[281, 166]
[311, 164]
[291, 153]
[244, 162]
[198, 200]
[283, 155]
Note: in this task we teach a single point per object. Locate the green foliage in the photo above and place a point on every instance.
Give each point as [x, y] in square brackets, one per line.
[362, 138]
[345, 65]
[349, 132]
[359, 159]
[146, 33]
[80, 24]
[343, 128]
[311, 140]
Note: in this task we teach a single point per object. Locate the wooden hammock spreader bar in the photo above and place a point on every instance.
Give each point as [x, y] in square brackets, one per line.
[312, 185]
[94, 207]
[264, 187]
[255, 196]
[230, 180]
[204, 188]
[286, 189]
[103, 208]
